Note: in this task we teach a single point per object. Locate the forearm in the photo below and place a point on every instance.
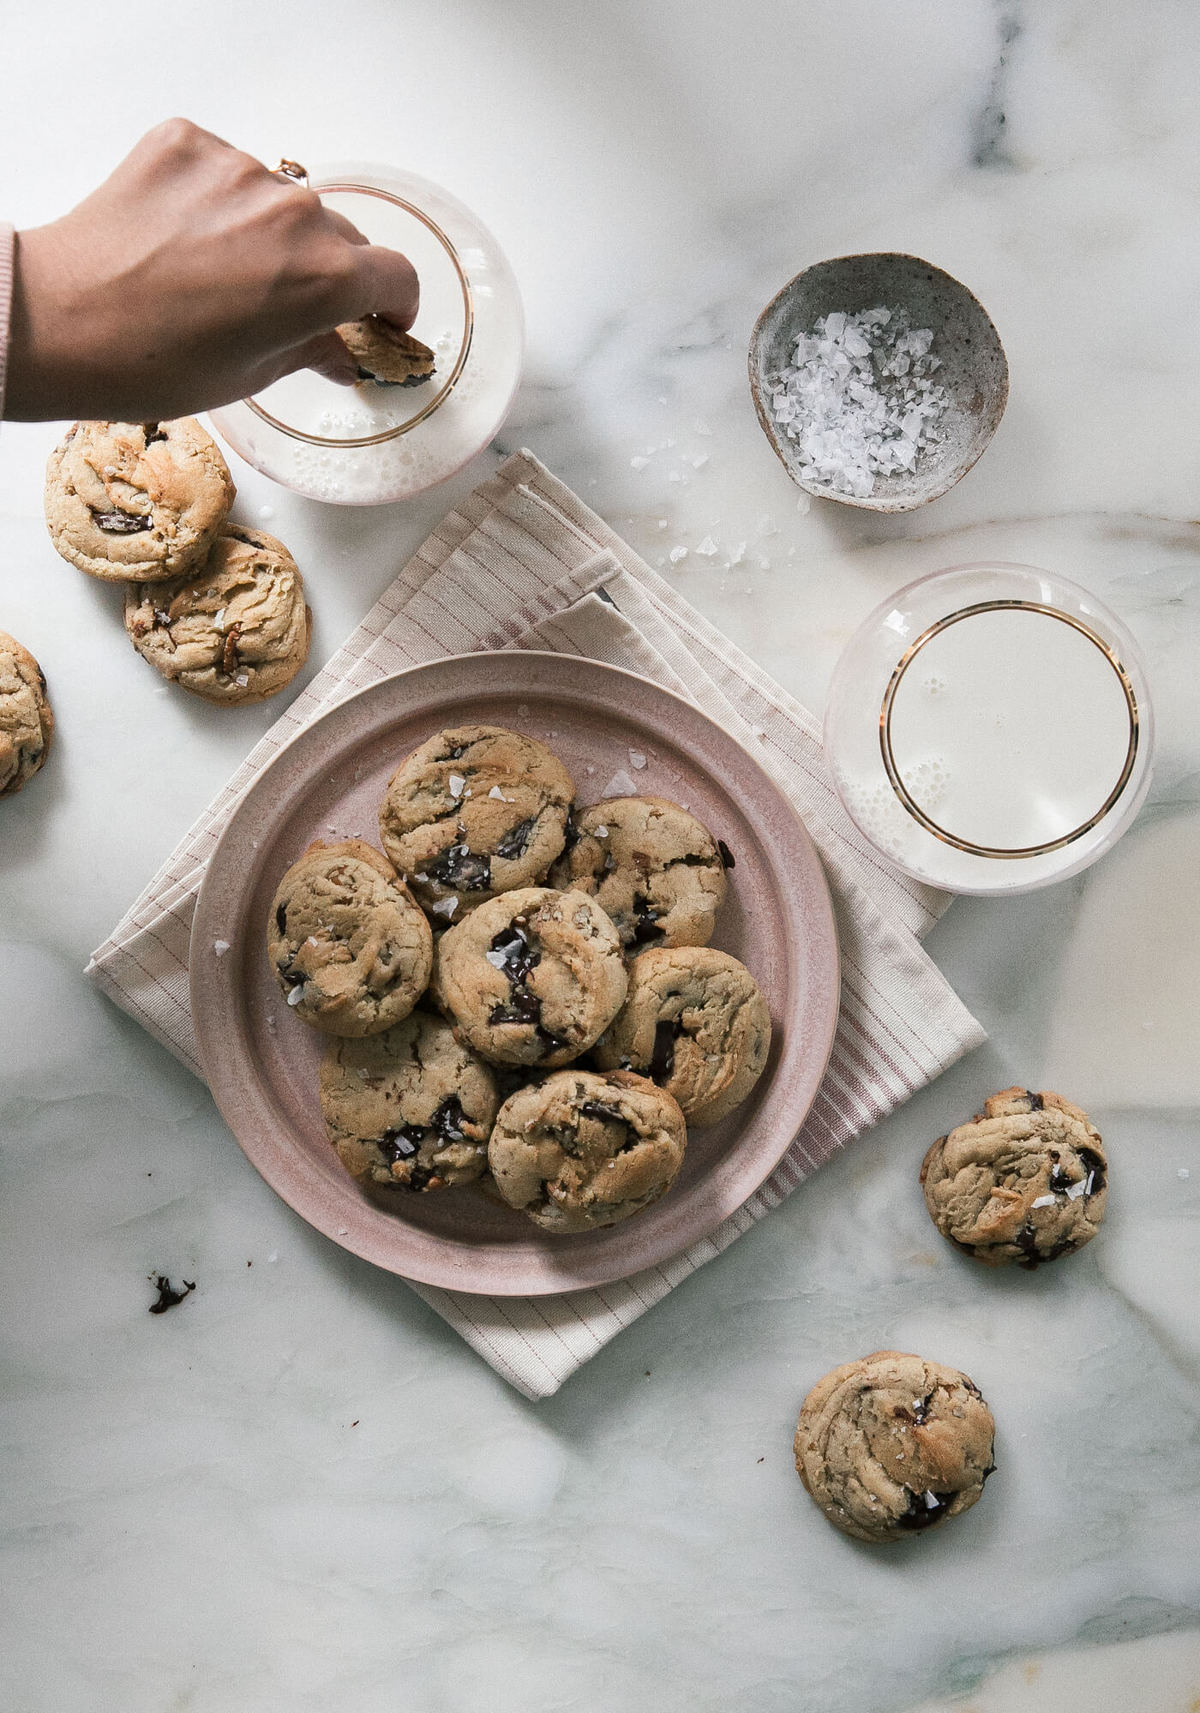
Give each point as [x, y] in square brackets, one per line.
[6, 279]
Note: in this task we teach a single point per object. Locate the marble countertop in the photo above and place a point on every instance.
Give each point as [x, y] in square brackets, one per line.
[300, 1490]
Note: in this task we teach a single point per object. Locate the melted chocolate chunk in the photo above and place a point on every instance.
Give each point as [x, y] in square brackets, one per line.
[121, 523]
[401, 1143]
[516, 839]
[153, 431]
[1036, 1103]
[460, 869]
[726, 854]
[924, 1509]
[281, 918]
[519, 956]
[570, 835]
[921, 1408]
[1094, 1166]
[404, 1143]
[168, 1296]
[456, 754]
[662, 1060]
[523, 1007]
[645, 921]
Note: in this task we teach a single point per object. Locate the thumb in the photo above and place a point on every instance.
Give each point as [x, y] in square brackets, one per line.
[326, 354]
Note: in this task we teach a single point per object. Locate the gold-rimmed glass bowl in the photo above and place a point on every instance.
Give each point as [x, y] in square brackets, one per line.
[989, 728]
[370, 444]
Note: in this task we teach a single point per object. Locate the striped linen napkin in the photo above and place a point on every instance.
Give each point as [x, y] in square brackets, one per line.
[523, 563]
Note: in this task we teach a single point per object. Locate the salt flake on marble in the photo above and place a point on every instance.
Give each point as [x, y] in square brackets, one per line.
[636, 758]
[677, 554]
[620, 785]
[708, 547]
[638, 463]
[220, 947]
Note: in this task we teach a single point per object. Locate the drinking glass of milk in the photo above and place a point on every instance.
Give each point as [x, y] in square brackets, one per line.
[372, 443]
[989, 728]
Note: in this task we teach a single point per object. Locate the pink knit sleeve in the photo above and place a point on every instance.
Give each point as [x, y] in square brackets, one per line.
[6, 278]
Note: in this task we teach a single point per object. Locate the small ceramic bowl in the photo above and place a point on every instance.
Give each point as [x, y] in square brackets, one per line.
[973, 369]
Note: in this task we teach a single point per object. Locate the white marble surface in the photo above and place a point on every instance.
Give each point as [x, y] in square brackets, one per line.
[299, 1490]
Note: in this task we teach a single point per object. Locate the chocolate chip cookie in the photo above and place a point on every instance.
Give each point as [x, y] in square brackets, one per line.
[476, 811]
[26, 723]
[695, 1022]
[348, 943]
[651, 865]
[141, 500]
[387, 357]
[236, 631]
[532, 977]
[892, 1444]
[410, 1109]
[581, 1150]
[1025, 1180]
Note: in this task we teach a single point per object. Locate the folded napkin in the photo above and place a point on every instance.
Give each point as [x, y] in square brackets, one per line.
[523, 563]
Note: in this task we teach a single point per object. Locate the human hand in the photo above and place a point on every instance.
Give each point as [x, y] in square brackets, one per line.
[191, 277]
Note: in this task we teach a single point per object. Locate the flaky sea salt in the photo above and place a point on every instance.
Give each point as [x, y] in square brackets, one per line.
[857, 399]
[456, 783]
[220, 947]
[620, 785]
[708, 547]
[676, 554]
[445, 906]
[636, 758]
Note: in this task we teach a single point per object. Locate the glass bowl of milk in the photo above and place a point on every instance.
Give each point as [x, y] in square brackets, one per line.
[989, 728]
[372, 443]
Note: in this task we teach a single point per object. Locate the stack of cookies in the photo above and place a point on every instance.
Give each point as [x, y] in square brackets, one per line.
[214, 607]
[518, 991]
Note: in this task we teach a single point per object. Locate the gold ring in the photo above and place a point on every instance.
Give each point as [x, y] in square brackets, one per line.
[292, 170]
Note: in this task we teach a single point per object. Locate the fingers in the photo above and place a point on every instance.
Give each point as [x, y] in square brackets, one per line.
[388, 286]
[327, 355]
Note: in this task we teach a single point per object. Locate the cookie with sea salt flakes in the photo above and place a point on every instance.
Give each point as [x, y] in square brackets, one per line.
[695, 1023]
[410, 1110]
[348, 943]
[893, 1444]
[387, 357]
[26, 723]
[236, 631]
[651, 865]
[474, 812]
[580, 1151]
[141, 500]
[1025, 1180]
[531, 977]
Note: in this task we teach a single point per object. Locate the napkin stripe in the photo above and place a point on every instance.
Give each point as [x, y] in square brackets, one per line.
[522, 563]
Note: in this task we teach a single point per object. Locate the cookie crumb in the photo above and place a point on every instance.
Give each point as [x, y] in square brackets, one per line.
[168, 1296]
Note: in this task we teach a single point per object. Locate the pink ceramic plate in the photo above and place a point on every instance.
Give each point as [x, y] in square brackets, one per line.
[262, 1063]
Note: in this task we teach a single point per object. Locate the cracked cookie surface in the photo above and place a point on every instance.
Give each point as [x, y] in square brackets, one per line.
[1025, 1180]
[389, 358]
[26, 722]
[408, 1110]
[651, 865]
[236, 631]
[137, 500]
[581, 1149]
[349, 945]
[474, 812]
[695, 1023]
[892, 1444]
[532, 977]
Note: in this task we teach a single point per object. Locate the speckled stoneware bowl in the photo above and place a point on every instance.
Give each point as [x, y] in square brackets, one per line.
[262, 1063]
[974, 368]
